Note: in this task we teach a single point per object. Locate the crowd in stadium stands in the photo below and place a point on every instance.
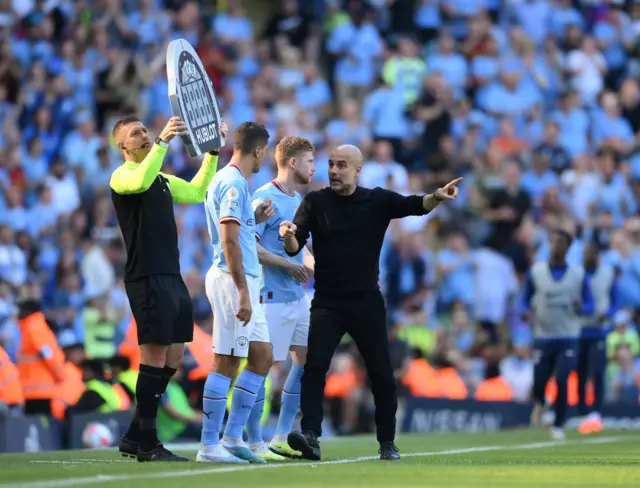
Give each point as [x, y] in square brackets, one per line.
[535, 102]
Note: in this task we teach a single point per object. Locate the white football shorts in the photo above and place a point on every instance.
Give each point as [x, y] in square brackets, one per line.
[230, 336]
[288, 325]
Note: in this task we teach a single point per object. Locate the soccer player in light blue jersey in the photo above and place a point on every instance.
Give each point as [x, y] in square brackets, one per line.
[285, 304]
[233, 288]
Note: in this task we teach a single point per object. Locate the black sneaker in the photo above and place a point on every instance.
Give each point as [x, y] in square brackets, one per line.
[159, 453]
[388, 451]
[128, 448]
[307, 443]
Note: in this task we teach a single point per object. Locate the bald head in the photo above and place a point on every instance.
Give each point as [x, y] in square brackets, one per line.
[348, 153]
[345, 163]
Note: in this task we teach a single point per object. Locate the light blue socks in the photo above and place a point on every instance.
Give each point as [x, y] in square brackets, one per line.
[214, 405]
[290, 400]
[254, 428]
[245, 392]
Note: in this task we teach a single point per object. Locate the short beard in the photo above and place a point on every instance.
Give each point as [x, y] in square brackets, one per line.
[342, 189]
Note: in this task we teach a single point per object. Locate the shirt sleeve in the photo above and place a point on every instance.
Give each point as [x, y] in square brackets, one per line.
[303, 220]
[194, 191]
[128, 181]
[231, 200]
[398, 206]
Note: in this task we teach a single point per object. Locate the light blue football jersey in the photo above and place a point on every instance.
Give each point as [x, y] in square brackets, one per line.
[228, 200]
[278, 286]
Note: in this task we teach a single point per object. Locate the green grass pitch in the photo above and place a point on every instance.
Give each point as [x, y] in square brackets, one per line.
[522, 458]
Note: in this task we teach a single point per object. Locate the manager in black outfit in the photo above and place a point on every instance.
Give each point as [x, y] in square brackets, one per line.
[348, 224]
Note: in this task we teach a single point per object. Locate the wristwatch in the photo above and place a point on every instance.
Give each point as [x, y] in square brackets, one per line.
[161, 143]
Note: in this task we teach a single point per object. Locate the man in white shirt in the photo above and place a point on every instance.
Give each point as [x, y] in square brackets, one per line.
[384, 171]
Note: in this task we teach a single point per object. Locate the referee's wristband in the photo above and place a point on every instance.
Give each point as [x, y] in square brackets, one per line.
[214, 153]
[161, 143]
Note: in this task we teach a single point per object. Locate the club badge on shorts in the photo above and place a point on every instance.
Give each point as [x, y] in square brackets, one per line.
[193, 98]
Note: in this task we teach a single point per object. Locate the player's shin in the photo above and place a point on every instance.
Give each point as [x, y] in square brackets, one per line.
[214, 404]
[254, 428]
[290, 401]
[244, 396]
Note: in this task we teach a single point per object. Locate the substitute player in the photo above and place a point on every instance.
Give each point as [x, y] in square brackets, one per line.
[348, 224]
[556, 294]
[592, 347]
[143, 198]
[285, 303]
[233, 288]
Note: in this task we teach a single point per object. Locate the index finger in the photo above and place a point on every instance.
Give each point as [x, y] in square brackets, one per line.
[454, 182]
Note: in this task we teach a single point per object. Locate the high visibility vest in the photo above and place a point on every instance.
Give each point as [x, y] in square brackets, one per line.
[420, 380]
[551, 391]
[338, 385]
[10, 386]
[107, 393]
[129, 378]
[40, 360]
[68, 392]
[129, 347]
[451, 385]
[168, 427]
[99, 336]
[123, 399]
[201, 349]
[494, 390]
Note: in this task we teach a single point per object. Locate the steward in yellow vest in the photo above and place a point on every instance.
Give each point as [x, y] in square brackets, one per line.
[99, 395]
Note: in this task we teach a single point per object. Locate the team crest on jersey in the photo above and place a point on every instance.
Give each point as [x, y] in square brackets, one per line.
[232, 194]
[242, 342]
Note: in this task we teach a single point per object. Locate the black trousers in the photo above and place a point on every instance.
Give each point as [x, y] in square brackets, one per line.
[364, 318]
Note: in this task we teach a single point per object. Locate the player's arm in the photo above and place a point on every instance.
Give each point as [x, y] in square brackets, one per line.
[529, 291]
[587, 305]
[297, 232]
[194, 191]
[230, 241]
[267, 258]
[128, 181]
[231, 198]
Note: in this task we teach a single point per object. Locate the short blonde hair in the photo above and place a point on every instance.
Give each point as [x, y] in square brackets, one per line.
[289, 147]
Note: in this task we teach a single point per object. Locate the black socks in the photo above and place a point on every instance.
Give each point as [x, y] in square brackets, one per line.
[152, 383]
[149, 390]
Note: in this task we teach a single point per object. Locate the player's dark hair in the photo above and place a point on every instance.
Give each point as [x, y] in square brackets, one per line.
[129, 119]
[249, 136]
[289, 147]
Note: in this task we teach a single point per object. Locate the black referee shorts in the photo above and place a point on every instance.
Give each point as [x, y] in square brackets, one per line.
[162, 308]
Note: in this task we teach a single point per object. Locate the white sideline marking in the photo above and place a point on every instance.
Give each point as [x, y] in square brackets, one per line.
[81, 461]
[105, 478]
